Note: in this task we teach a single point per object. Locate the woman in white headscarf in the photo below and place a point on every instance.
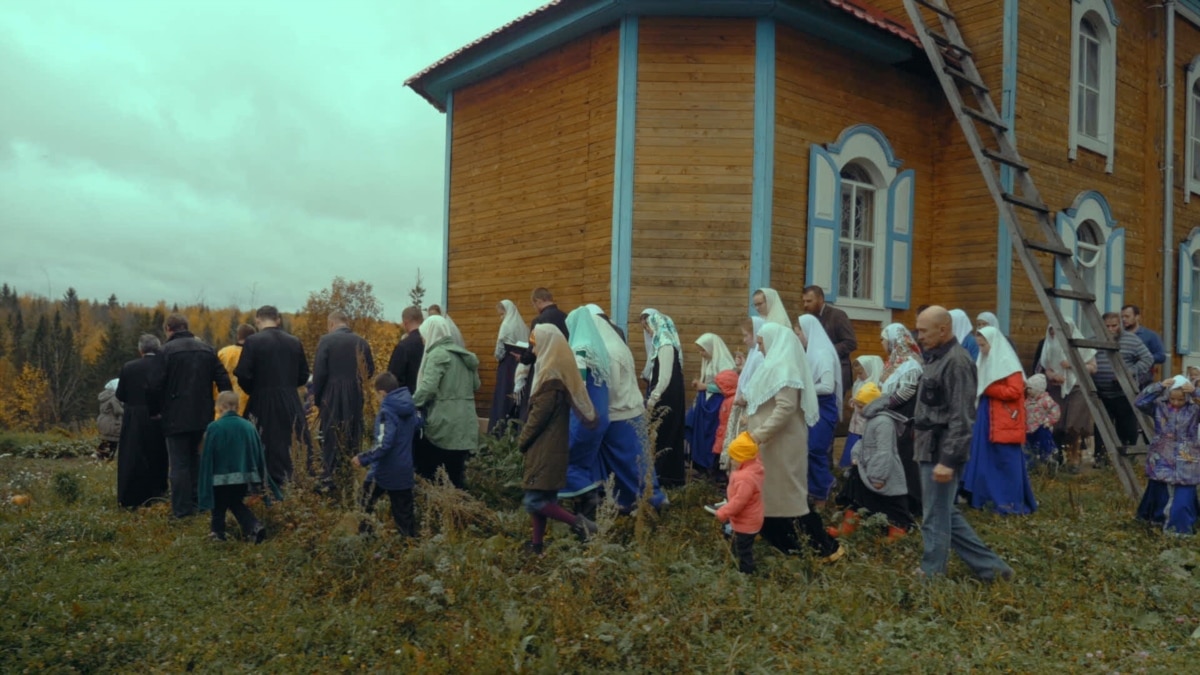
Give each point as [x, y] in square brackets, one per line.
[585, 472]
[826, 371]
[513, 333]
[1075, 424]
[623, 454]
[704, 417]
[899, 382]
[446, 386]
[781, 402]
[964, 332]
[986, 319]
[768, 305]
[996, 476]
[867, 369]
[754, 358]
[666, 392]
[557, 393]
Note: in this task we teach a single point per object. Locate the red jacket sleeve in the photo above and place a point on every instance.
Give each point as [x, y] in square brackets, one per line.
[739, 497]
[1011, 388]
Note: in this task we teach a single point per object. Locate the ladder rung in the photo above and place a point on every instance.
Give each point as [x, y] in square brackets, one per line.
[1005, 159]
[1021, 201]
[985, 118]
[1070, 294]
[1048, 247]
[965, 78]
[1127, 450]
[937, 8]
[948, 43]
[1093, 344]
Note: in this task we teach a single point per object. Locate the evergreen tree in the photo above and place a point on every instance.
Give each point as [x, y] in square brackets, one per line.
[417, 293]
[116, 348]
[16, 331]
[113, 305]
[71, 307]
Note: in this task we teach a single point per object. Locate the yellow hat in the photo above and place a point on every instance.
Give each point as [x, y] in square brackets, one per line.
[743, 448]
[867, 393]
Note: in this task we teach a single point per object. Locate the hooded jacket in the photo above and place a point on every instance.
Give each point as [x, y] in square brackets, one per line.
[446, 392]
[877, 453]
[726, 381]
[391, 458]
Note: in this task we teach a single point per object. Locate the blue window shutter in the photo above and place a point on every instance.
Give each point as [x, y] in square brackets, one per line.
[824, 222]
[1114, 272]
[1184, 318]
[897, 274]
[1066, 230]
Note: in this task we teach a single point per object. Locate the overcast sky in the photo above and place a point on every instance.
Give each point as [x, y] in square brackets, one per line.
[239, 152]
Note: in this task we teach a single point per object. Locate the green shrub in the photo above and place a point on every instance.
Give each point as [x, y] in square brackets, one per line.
[67, 486]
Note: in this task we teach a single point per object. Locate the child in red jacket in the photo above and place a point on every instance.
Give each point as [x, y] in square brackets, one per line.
[744, 508]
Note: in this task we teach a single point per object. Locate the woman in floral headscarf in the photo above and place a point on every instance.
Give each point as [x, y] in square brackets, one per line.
[666, 392]
[899, 381]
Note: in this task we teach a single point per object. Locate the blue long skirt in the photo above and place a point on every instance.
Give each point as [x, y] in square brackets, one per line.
[585, 472]
[995, 475]
[820, 443]
[623, 456]
[702, 421]
[1040, 444]
[851, 441]
[1173, 507]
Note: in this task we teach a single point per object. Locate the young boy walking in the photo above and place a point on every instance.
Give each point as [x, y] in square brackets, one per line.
[743, 509]
[391, 460]
[232, 460]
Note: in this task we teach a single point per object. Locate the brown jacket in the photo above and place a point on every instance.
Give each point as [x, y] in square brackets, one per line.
[546, 438]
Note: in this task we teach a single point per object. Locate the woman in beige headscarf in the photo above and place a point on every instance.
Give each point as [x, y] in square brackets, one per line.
[1063, 386]
[546, 437]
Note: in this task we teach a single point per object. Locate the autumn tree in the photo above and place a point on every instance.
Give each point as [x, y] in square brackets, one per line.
[355, 298]
[25, 400]
[57, 356]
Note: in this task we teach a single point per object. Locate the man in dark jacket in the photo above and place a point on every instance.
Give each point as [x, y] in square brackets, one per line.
[342, 361]
[142, 453]
[271, 370]
[943, 420]
[548, 312]
[190, 369]
[837, 327]
[406, 357]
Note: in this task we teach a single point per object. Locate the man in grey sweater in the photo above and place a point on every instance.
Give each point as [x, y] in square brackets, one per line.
[944, 418]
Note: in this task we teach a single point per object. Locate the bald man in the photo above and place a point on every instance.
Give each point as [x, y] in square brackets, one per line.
[943, 420]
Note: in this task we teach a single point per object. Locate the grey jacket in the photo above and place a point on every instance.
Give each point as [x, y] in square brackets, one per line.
[876, 454]
[945, 411]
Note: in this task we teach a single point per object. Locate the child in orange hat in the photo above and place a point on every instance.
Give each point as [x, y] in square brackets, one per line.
[744, 508]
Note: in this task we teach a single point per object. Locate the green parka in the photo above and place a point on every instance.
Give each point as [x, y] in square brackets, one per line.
[446, 392]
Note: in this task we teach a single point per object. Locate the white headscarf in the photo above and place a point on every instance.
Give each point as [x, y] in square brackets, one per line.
[988, 319]
[960, 324]
[719, 359]
[754, 358]
[822, 355]
[621, 361]
[111, 385]
[1178, 382]
[1053, 355]
[775, 312]
[874, 367]
[1000, 361]
[785, 365]
[433, 330]
[513, 330]
[556, 361]
[648, 371]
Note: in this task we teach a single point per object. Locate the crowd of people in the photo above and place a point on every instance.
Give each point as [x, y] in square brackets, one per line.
[949, 416]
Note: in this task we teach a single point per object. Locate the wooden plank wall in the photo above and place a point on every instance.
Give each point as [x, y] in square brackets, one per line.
[693, 176]
[822, 89]
[1134, 189]
[531, 188]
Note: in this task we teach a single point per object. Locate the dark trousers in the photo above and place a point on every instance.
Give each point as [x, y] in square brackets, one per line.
[427, 457]
[340, 438]
[183, 451]
[1124, 419]
[855, 495]
[784, 534]
[401, 502]
[743, 550]
[229, 498]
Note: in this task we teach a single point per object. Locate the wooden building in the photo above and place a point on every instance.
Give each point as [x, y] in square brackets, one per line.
[677, 154]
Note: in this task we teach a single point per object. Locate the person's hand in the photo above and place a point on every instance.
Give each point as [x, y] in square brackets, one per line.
[942, 474]
[739, 401]
[1168, 383]
[877, 486]
[355, 461]
[1056, 378]
[651, 402]
[739, 359]
[700, 386]
[1066, 364]
[754, 437]
[1188, 388]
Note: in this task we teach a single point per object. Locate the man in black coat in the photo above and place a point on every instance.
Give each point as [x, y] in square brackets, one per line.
[406, 357]
[548, 312]
[190, 370]
[338, 391]
[837, 327]
[271, 370]
[142, 450]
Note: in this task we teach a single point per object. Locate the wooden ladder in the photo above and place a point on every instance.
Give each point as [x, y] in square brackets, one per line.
[954, 65]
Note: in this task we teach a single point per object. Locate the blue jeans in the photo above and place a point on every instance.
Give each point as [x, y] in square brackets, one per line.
[944, 528]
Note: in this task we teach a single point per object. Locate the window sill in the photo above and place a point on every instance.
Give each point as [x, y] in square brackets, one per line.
[861, 311]
[1104, 150]
[1192, 359]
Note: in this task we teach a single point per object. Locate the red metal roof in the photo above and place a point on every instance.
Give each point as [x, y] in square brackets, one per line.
[860, 9]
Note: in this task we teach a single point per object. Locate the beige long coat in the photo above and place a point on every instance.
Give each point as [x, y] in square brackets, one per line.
[783, 446]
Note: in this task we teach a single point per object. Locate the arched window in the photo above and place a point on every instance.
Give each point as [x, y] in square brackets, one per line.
[1089, 252]
[1093, 78]
[1089, 229]
[857, 242]
[860, 224]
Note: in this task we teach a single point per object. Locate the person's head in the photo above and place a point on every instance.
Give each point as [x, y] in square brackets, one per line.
[800, 334]
[227, 401]
[934, 327]
[244, 331]
[760, 303]
[1177, 398]
[703, 352]
[337, 319]
[386, 383]
[501, 310]
[175, 323]
[435, 310]
[742, 449]
[1131, 316]
[1112, 321]
[921, 308]
[411, 318]
[267, 316]
[860, 373]
[1035, 385]
[541, 298]
[749, 339]
[867, 394]
[148, 344]
[814, 299]
[1193, 373]
[985, 347]
[986, 319]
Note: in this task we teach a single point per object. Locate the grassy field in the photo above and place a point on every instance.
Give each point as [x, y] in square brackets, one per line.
[86, 586]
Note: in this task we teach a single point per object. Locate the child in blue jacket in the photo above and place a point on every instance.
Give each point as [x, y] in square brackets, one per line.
[391, 459]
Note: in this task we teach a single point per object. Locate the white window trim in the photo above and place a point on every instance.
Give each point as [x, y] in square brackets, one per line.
[1089, 207]
[1192, 185]
[1188, 247]
[1106, 23]
[865, 149]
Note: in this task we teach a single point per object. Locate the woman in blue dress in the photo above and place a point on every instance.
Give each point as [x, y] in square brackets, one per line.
[705, 414]
[826, 371]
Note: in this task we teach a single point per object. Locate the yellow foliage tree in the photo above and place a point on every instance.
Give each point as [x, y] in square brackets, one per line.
[25, 404]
